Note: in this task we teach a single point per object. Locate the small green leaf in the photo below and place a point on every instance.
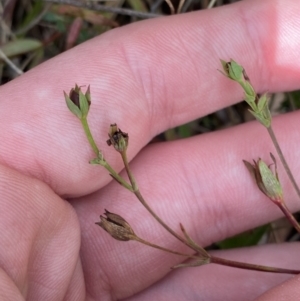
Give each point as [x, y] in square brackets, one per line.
[95, 161]
[262, 102]
[88, 95]
[99, 160]
[225, 68]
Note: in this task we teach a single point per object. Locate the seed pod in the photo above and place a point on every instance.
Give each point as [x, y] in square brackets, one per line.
[116, 226]
[77, 102]
[117, 138]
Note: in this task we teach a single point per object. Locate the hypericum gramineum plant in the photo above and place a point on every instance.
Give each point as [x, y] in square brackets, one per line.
[79, 104]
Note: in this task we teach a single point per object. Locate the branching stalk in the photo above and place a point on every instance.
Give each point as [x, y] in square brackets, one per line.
[268, 182]
[116, 176]
[101, 160]
[138, 194]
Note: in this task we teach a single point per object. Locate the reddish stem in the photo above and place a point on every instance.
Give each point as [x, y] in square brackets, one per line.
[249, 266]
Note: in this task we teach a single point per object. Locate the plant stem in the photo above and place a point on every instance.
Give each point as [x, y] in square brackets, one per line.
[282, 159]
[288, 215]
[138, 194]
[129, 173]
[116, 176]
[164, 249]
[89, 136]
[159, 220]
[249, 266]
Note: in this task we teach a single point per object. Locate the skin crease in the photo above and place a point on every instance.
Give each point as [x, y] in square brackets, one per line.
[147, 77]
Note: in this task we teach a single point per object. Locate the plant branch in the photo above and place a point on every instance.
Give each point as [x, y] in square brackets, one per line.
[164, 249]
[100, 160]
[116, 176]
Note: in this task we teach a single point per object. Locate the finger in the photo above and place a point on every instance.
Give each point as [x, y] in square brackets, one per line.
[213, 282]
[200, 182]
[39, 244]
[146, 77]
[76, 290]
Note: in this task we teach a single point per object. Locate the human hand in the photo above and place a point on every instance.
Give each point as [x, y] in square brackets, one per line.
[146, 77]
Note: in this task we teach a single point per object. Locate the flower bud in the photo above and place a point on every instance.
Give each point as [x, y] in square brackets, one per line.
[77, 102]
[266, 180]
[116, 226]
[117, 138]
[233, 70]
